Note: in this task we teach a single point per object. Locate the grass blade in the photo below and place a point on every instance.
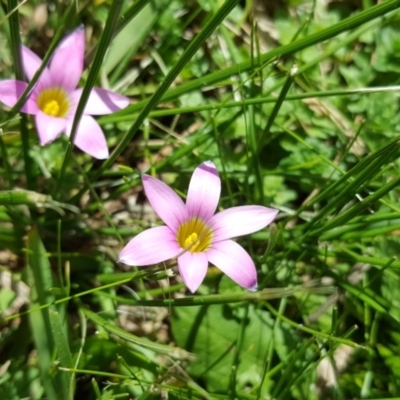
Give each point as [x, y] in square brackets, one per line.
[281, 51]
[94, 70]
[191, 50]
[41, 281]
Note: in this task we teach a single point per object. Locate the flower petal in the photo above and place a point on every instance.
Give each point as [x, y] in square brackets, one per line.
[102, 101]
[74, 98]
[66, 65]
[49, 127]
[193, 269]
[11, 90]
[151, 246]
[90, 138]
[204, 191]
[235, 262]
[239, 221]
[31, 63]
[166, 203]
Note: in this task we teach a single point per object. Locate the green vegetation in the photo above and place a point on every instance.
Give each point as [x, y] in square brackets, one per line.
[297, 104]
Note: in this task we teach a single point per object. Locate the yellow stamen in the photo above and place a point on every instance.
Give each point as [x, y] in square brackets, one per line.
[51, 108]
[194, 236]
[54, 102]
[192, 242]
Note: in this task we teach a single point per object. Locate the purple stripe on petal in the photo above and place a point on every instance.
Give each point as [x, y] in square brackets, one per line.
[102, 101]
[166, 203]
[10, 92]
[193, 268]
[90, 138]
[235, 262]
[150, 247]
[49, 127]
[66, 65]
[239, 221]
[204, 191]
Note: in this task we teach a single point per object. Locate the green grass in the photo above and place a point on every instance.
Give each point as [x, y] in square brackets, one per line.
[297, 104]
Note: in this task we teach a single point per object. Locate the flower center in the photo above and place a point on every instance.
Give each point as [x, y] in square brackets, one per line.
[194, 235]
[54, 102]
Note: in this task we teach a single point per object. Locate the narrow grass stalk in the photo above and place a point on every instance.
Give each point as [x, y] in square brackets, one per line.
[158, 348]
[237, 352]
[43, 334]
[121, 116]
[15, 39]
[95, 196]
[19, 74]
[281, 98]
[369, 375]
[269, 356]
[251, 133]
[130, 13]
[362, 294]
[359, 177]
[357, 231]
[303, 328]
[53, 45]
[180, 64]
[358, 208]
[288, 374]
[63, 350]
[94, 70]
[126, 17]
[343, 26]
[11, 11]
[191, 301]
[6, 164]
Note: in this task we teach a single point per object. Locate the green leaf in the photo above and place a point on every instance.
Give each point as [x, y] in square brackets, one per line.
[40, 279]
[7, 296]
[60, 339]
[211, 332]
[134, 33]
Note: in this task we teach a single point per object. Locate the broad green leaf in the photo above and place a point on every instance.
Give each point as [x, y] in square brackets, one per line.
[134, 33]
[212, 332]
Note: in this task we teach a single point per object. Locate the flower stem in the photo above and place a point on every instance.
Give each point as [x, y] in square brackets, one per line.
[15, 41]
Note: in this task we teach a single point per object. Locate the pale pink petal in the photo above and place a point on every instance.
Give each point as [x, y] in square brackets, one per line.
[90, 138]
[235, 262]
[49, 127]
[151, 246]
[66, 65]
[204, 191]
[74, 98]
[193, 269]
[238, 221]
[11, 90]
[31, 63]
[166, 203]
[102, 101]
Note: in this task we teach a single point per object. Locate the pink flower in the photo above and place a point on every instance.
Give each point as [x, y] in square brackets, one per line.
[195, 234]
[54, 98]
